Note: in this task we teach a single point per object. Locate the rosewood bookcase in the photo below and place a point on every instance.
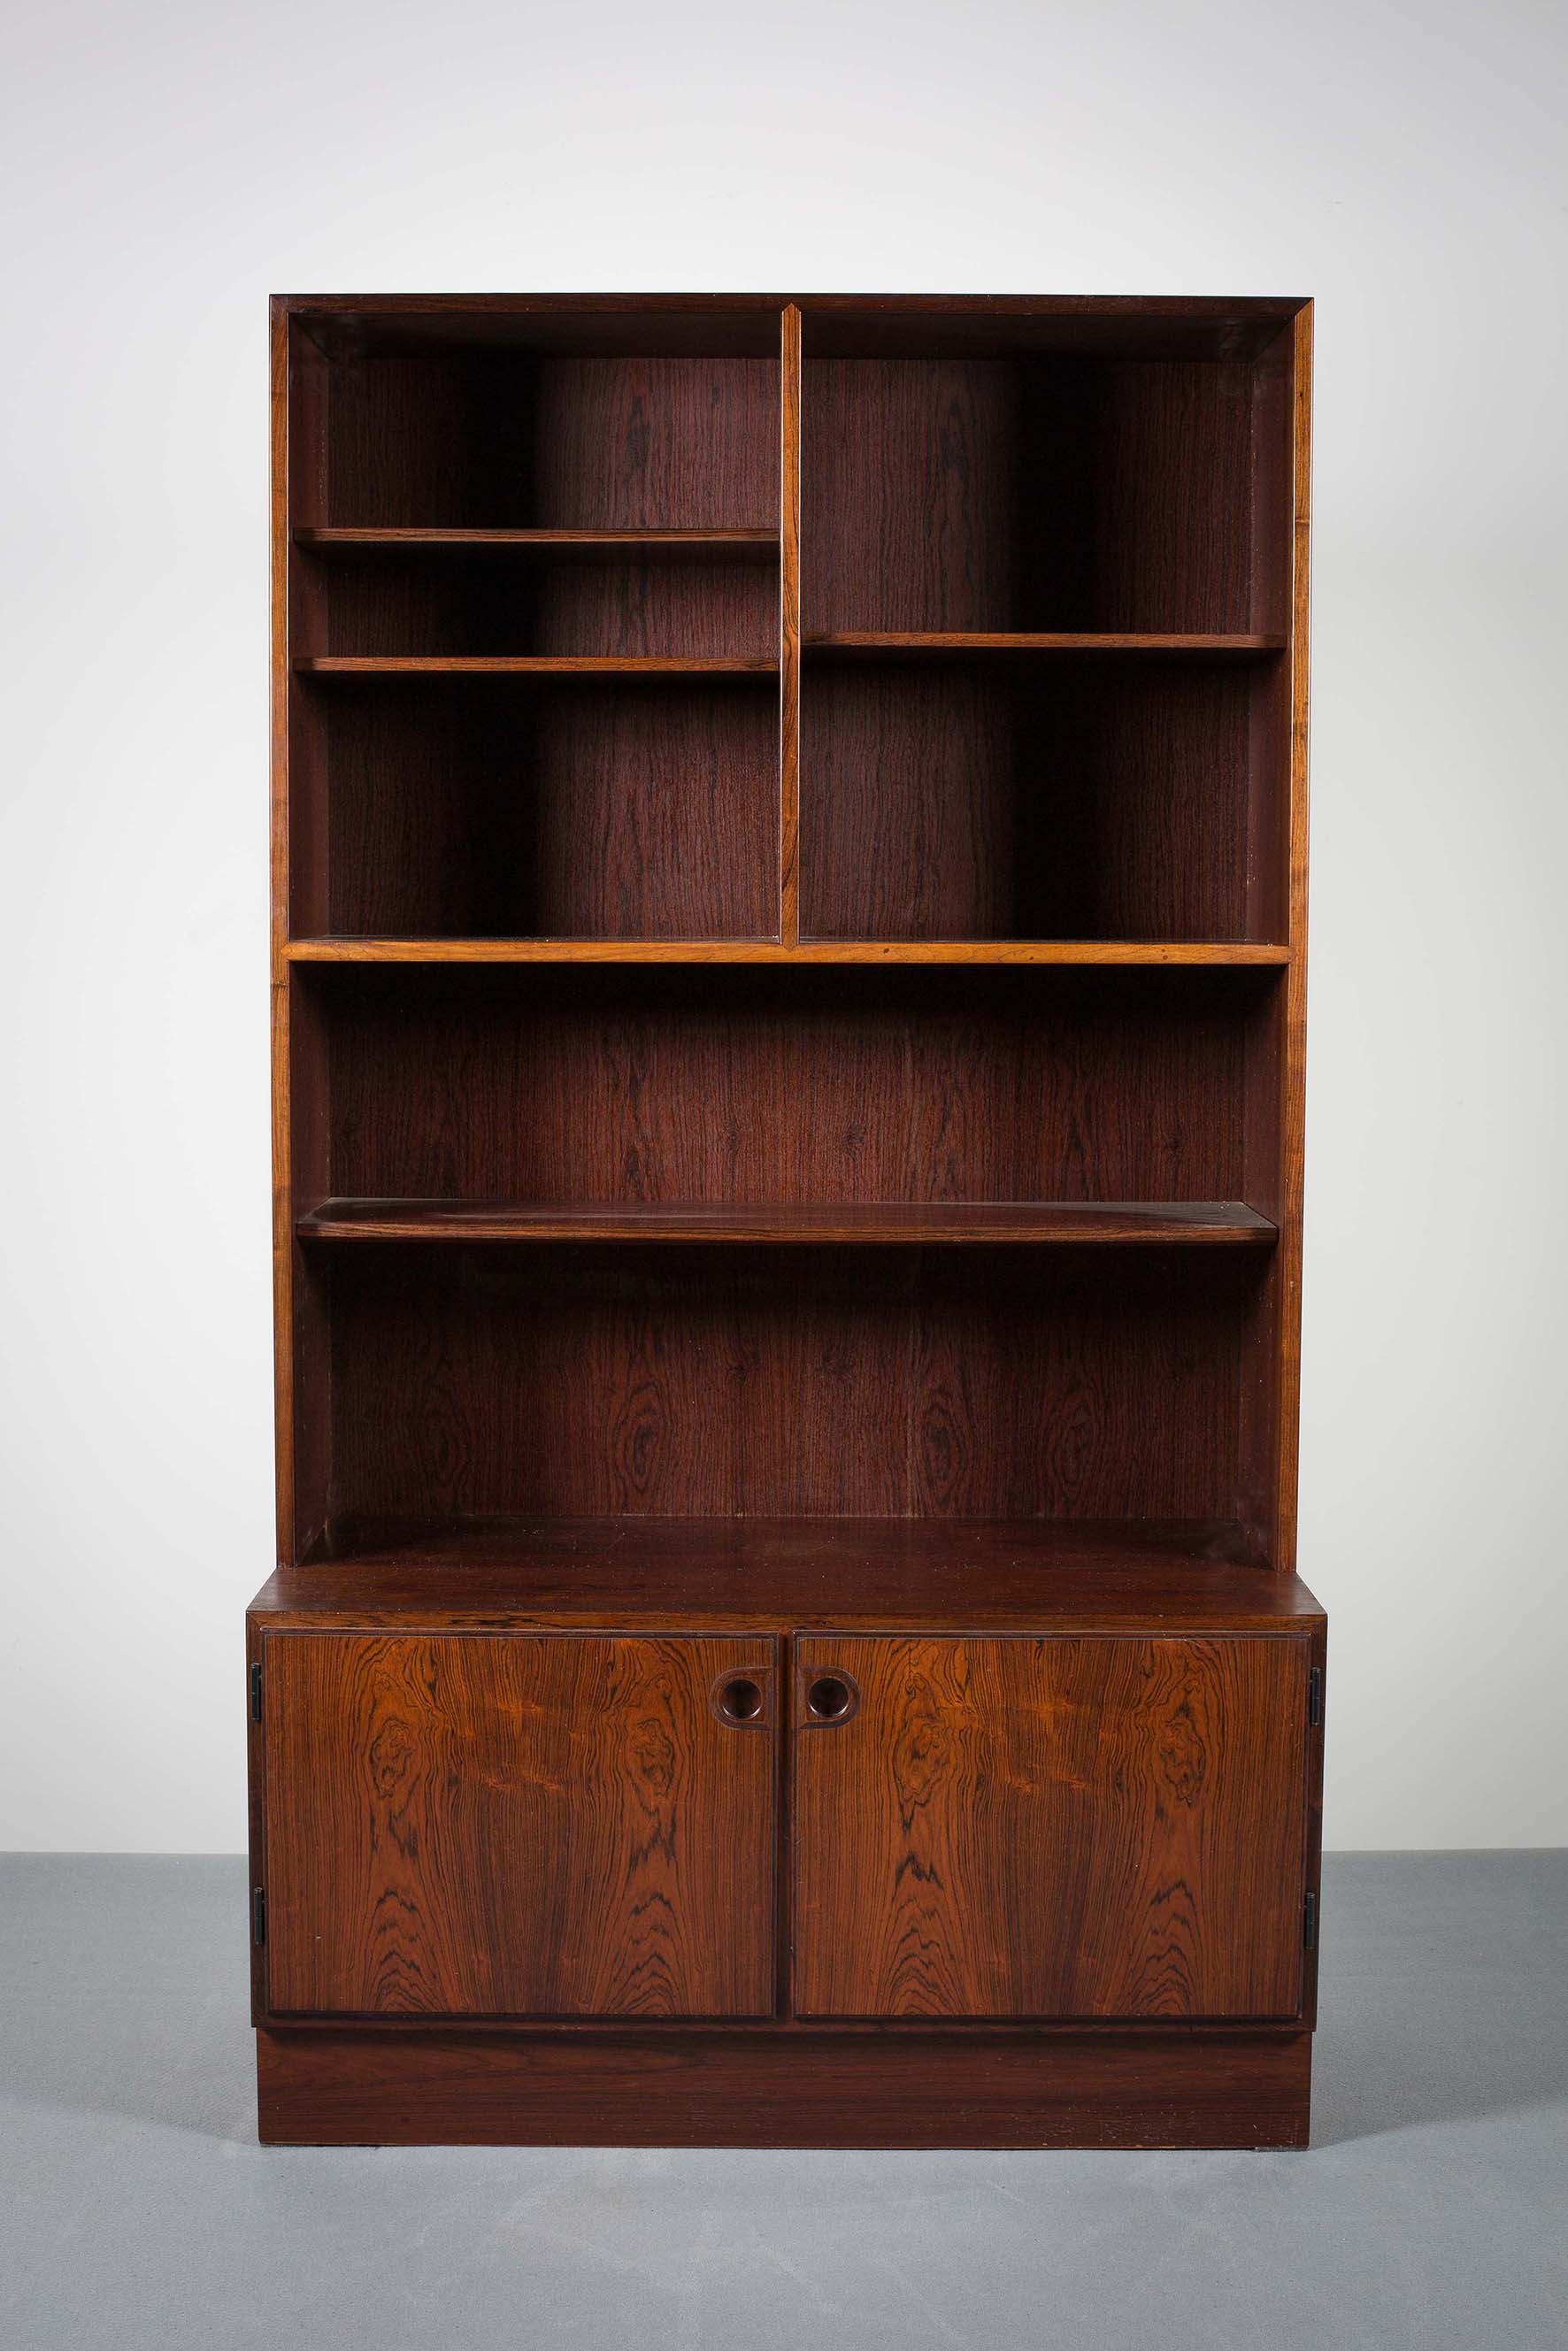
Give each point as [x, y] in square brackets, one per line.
[789, 891]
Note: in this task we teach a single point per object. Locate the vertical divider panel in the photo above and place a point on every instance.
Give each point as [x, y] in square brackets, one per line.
[789, 628]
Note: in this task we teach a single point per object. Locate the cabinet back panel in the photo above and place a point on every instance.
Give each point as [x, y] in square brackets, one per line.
[649, 1084]
[642, 808]
[1026, 494]
[500, 440]
[1086, 799]
[629, 1381]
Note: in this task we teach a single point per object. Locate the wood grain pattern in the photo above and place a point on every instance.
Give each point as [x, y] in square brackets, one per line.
[883, 1223]
[447, 438]
[1085, 799]
[784, 2089]
[654, 1087]
[985, 1383]
[1144, 1576]
[460, 1825]
[636, 598]
[789, 633]
[563, 805]
[1058, 1827]
[955, 493]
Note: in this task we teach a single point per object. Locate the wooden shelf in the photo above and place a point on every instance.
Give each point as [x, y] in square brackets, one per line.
[609, 545]
[528, 665]
[1138, 952]
[893, 643]
[1030, 1575]
[892, 1223]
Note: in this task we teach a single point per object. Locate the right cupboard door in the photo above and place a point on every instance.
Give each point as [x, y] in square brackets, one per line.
[1070, 1825]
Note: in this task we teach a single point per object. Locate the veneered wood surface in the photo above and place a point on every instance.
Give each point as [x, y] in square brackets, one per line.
[763, 1086]
[528, 1825]
[988, 797]
[1133, 1575]
[981, 1382]
[955, 493]
[1068, 1826]
[635, 807]
[328, 2087]
[614, 601]
[883, 1223]
[445, 439]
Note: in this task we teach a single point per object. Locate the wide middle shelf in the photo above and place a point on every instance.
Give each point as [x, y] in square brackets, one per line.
[1207, 1223]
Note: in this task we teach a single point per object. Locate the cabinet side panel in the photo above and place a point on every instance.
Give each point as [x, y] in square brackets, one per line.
[1276, 1038]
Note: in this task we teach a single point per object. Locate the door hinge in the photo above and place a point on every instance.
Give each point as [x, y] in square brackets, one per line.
[1314, 1697]
[255, 1693]
[1310, 1923]
[258, 1916]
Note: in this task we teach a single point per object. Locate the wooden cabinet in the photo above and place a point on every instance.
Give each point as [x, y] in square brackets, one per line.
[1068, 1826]
[789, 1004]
[517, 1825]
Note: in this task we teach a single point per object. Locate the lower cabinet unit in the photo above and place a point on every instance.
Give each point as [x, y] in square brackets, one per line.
[770, 1888]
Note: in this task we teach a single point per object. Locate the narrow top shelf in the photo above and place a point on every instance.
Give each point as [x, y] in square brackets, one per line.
[743, 546]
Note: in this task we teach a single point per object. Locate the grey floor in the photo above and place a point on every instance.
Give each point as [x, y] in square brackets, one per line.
[136, 2208]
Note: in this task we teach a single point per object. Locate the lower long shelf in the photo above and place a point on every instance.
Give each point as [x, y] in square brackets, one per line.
[889, 1222]
[995, 1574]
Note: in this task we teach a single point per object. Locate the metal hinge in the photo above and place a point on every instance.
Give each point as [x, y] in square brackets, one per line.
[1310, 1923]
[258, 1916]
[255, 1693]
[1314, 1697]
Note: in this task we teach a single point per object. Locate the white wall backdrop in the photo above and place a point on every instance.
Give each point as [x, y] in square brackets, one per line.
[166, 166]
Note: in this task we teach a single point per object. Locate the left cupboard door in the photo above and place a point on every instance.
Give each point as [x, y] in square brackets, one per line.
[519, 1824]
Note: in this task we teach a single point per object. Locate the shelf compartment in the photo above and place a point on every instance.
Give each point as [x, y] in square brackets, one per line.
[1077, 796]
[1038, 489]
[883, 1223]
[780, 1573]
[769, 1092]
[603, 802]
[573, 1380]
[622, 432]
[442, 596]
[1147, 954]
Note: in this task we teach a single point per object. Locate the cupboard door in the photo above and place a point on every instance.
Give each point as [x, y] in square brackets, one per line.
[1094, 1826]
[473, 1825]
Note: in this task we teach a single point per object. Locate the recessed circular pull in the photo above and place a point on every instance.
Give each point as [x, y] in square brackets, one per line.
[738, 1698]
[831, 1698]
